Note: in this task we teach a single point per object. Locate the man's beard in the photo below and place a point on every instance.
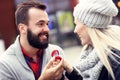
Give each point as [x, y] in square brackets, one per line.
[34, 40]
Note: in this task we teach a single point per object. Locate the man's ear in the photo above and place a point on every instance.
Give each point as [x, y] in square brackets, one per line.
[22, 28]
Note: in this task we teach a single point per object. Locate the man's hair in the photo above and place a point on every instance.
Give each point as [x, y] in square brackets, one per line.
[21, 14]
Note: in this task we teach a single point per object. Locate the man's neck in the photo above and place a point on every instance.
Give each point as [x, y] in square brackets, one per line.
[28, 48]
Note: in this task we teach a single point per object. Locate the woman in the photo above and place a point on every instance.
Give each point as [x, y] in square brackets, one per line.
[99, 59]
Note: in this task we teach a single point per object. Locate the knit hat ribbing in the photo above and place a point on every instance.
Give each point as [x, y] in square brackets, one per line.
[95, 13]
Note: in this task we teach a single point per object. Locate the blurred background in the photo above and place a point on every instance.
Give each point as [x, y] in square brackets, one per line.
[61, 24]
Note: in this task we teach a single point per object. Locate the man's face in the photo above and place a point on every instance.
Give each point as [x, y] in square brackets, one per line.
[38, 31]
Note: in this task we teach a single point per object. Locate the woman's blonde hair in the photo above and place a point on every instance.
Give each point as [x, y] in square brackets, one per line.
[103, 40]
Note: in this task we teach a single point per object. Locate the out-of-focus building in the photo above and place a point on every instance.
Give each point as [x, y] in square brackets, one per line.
[61, 21]
[7, 21]
[2, 45]
[116, 20]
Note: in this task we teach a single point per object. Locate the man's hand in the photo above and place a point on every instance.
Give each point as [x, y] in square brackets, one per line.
[53, 70]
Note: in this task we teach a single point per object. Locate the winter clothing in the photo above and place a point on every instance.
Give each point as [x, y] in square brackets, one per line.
[13, 65]
[103, 73]
[95, 13]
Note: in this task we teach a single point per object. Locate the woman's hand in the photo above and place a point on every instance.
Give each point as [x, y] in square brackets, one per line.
[67, 67]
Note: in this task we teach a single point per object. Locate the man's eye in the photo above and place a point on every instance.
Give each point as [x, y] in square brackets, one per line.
[40, 24]
[47, 24]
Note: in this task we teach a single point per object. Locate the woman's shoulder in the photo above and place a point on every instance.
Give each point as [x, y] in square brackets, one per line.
[115, 63]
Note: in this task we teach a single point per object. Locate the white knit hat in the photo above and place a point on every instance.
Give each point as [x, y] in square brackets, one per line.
[95, 13]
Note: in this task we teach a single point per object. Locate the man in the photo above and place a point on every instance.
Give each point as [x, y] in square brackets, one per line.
[26, 58]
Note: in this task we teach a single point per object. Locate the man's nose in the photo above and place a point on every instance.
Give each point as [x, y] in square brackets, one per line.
[46, 28]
